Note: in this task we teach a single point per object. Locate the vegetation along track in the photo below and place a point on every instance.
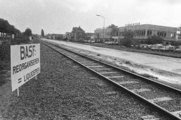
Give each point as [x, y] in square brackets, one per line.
[164, 98]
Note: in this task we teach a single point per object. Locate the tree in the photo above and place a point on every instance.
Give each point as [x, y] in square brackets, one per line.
[27, 32]
[5, 27]
[154, 40]
[128, 38]
[114, 30]
[97, 36]
[42, 33]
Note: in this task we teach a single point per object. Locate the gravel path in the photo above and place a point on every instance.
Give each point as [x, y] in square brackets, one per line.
[66, 91]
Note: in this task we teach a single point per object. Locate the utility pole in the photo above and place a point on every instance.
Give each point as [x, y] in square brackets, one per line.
[103, 25]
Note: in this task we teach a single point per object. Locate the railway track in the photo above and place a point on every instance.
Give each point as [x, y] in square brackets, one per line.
[163, 97]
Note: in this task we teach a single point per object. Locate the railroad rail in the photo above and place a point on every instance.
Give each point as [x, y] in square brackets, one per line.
[163, 97]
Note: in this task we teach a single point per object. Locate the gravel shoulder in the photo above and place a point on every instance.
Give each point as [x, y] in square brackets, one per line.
[66, 91]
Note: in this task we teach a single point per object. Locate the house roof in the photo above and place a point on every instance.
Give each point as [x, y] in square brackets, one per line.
[77, 29]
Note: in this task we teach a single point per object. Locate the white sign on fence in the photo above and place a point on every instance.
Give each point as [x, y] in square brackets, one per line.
[25, 63]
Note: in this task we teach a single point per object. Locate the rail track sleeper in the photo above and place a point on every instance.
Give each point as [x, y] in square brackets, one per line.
[108, 72]
[95, 66]
[127, 82]
[160, 99]
[149, 117]
[115, 76]
[141, 90]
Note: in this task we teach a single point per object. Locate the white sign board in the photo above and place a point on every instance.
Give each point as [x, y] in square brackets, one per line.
[25, 63]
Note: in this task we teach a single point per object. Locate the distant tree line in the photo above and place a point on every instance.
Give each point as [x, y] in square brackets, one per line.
[5, 27]
[11, 35]
[7, 39]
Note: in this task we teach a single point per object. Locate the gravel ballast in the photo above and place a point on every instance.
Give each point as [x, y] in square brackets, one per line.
[66, 91]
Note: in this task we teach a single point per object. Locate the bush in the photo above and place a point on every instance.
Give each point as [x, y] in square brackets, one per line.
[128, 38]
[154, 40]
[5, 47]
[5, 51]
[20, 40]
[126, 42]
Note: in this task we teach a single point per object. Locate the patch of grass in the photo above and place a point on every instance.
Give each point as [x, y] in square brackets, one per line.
[2, 81]
[5, 51]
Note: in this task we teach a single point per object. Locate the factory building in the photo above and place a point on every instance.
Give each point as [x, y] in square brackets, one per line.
[101, 34]
[141, 32]
[144, 31]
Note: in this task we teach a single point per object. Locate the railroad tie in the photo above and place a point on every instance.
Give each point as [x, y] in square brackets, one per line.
[92, 78]
[115, 76]
[161, 99]
[108, 72]
[95, 66]
[127, 82]
[111, 93]
[149, 117]
[141, 90]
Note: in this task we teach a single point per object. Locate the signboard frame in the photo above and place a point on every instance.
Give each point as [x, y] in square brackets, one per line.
[25, 64]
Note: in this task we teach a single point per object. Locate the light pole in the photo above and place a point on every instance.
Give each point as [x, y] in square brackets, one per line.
[103, 25]
[58, 29]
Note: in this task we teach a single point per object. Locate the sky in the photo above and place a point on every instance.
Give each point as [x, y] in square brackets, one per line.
[60, 16]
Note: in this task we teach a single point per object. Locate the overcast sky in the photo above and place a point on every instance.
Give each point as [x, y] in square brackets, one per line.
[59, 16]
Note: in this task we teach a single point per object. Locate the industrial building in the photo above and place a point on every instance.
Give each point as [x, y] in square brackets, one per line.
[146, 30]
[102, 33]
[142, 32]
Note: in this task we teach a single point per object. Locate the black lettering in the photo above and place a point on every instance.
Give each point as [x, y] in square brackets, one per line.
[30, 50]
[17, 68]
[14, 69]
[20, 67]
[22, 52]
[25, 78]
[34, 50]
[26, 51]
[25, 65]
[19, 80]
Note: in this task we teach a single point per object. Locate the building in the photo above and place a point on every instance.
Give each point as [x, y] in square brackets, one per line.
[68, 35]
[77, 33]
[89, 36]
[142, 32]
[178, 36]
[55, 36]
[102, 34]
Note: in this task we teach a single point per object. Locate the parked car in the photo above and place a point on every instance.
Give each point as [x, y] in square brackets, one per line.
[109, 42]
[178, 50]
[162, 48]
[144, 45]
[156, 46]
[149, 46]
[169, 47]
